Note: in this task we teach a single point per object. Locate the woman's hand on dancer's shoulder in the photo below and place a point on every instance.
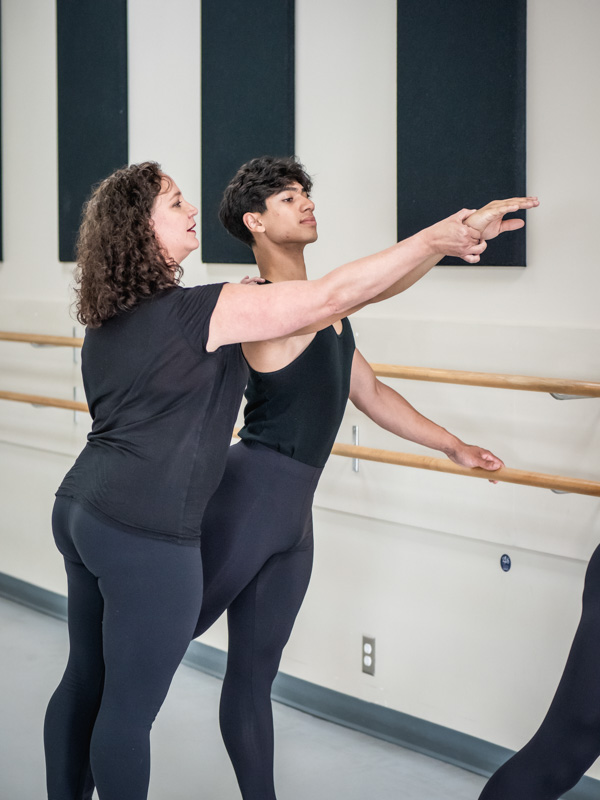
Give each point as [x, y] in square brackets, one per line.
[246, 280]
[469, 455]
[489, 220]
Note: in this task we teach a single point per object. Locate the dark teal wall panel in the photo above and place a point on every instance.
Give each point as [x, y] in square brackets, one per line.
[247, 102]
[461, 112]
[92, 104]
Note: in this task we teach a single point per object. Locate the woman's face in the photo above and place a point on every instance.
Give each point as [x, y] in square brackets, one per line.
[173, 222]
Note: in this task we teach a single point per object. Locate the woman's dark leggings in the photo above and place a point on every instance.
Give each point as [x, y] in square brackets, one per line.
[257, 552]
[133, 605]
[568, 740]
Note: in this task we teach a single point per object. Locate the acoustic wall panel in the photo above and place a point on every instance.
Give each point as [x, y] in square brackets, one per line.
[461, 113]
[92, 104]
[247, 102]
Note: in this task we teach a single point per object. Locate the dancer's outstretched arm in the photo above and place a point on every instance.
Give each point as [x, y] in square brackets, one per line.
[395, 414]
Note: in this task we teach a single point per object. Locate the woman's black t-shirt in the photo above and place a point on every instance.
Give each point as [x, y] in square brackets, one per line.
[163, 410]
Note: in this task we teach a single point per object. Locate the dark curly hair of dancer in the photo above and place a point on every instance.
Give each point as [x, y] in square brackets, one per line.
[119, 260]
[252, 184]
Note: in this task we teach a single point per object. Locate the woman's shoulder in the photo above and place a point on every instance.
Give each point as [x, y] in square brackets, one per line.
[190, 293]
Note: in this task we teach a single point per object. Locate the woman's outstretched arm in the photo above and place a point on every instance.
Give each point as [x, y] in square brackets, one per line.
[488, 221]
[246, 313]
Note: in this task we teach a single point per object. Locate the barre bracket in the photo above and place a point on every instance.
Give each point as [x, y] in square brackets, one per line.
[558, 396]
[355, 461]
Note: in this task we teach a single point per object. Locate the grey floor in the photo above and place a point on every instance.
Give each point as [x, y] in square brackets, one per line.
[315, 759]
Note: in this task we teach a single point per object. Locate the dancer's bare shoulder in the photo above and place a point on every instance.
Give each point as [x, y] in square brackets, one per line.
[276, 354]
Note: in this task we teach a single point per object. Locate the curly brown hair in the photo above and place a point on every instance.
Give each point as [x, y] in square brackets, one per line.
[119, 260]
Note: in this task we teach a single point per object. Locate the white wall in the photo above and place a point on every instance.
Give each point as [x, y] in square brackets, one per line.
[409, 557]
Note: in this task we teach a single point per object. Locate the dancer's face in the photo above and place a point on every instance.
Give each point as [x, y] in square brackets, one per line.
[173, 221]
[289, 218]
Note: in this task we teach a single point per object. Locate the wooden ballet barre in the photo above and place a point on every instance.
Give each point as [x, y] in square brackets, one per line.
[37, 400]
[39, 338]
[504, 474]
[491, 380]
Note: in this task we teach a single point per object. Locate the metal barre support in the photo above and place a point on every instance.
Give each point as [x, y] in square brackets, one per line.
[557, 396]
[355, 441]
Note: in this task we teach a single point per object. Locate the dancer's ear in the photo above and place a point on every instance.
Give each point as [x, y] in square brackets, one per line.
[253, 222]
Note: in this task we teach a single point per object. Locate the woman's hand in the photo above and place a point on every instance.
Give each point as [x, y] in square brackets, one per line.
[489, 221]
[454, 237]
[248, 280]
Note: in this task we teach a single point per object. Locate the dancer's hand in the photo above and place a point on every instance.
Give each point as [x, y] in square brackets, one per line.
[489, 221]
[453, 237]
[469, 455]
[246, 280]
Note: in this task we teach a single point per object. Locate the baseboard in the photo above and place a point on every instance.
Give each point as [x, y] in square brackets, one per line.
[27, 594]
[437, 741]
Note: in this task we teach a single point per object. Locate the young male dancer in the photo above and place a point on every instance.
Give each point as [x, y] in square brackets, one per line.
[257, 542]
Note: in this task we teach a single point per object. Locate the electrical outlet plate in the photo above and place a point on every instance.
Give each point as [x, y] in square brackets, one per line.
[368, 655]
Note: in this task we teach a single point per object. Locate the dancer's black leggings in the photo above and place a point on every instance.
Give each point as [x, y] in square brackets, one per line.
[568, 740]
[257, 552]
[133, 605]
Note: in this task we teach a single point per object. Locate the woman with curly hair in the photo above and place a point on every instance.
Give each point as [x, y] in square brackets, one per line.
[163, 377]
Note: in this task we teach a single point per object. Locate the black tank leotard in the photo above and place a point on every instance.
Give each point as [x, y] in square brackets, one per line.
[298, 410]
